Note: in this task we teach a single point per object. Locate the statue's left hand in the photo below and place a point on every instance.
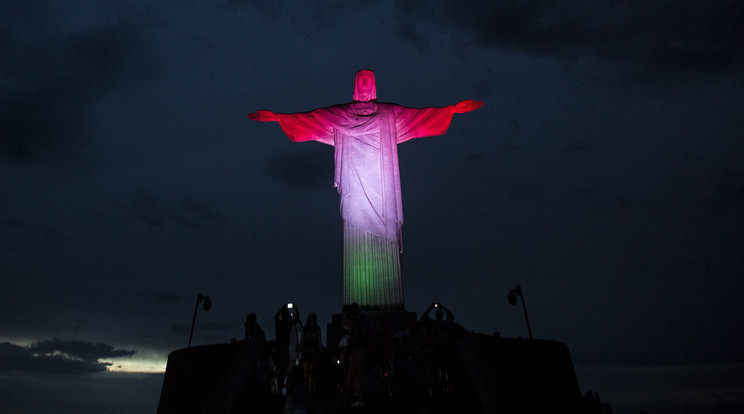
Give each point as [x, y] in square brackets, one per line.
[467, 106]
[263, 116]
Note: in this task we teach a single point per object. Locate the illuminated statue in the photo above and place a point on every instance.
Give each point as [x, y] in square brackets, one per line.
[365, 134]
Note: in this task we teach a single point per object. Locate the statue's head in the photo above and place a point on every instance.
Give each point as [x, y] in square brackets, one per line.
[365, 89]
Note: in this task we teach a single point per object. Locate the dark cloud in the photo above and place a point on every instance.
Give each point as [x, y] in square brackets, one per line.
[477, 156]
[200, 211]
[168, 297]
[307, 15]
[185, 330]
[527, 193]
[28, 227]
[508, 147]
[302, 168]
[727, 193]
[646, 38]
[148, 210]
[150, 221]
[187, 213]
[268, 8]
[576, 148]
[57, 356]
[593, 196]
[719, 192]
[408, 31]
[190, 224]
[49, 84]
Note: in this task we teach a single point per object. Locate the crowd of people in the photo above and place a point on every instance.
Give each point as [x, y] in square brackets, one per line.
[369, 369]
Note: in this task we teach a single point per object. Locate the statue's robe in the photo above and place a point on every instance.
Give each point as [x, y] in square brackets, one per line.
[365, 137]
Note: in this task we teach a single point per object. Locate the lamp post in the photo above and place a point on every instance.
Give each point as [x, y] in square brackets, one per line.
[207, 306]
[513, 293]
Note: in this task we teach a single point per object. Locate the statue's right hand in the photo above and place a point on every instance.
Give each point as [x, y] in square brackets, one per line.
[263, 116]
[467, 106]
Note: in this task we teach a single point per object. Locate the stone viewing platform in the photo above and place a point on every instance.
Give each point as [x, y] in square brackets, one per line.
[409, 366]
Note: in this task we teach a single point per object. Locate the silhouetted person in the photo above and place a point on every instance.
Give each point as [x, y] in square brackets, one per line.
[263, 395]
[443, 347]
[252, 329]
[440, 321]
[343, 343]
[327, 381]
[380, 368]
[288, 327]
[406, 383]
[310, 347]
[358, 350]
[265, 368]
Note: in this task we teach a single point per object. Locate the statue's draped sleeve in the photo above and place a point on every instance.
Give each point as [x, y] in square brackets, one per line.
[422, 122]
[316, 125]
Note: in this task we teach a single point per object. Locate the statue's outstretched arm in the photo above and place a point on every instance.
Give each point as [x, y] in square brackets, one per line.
[467, 106]
[264, 116]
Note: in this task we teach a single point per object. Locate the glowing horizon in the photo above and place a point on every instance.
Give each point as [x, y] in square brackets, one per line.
[147, 365]
[144, 361]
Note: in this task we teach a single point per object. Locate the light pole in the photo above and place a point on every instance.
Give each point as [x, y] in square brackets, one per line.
[207, 306]
[513, 293]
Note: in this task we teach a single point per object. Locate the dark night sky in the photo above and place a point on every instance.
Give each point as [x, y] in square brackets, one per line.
[604, 175]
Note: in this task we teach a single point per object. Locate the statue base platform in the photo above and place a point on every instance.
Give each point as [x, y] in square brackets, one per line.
[464, 373]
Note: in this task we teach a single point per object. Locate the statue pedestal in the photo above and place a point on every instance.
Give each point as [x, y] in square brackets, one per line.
[371, 271]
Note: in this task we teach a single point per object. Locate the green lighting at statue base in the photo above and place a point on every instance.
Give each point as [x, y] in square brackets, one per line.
[371, 270]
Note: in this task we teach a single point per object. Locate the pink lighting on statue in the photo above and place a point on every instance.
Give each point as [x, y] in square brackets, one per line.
[365, 135]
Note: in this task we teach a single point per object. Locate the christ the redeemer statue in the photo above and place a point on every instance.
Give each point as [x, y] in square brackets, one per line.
[365, 134]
